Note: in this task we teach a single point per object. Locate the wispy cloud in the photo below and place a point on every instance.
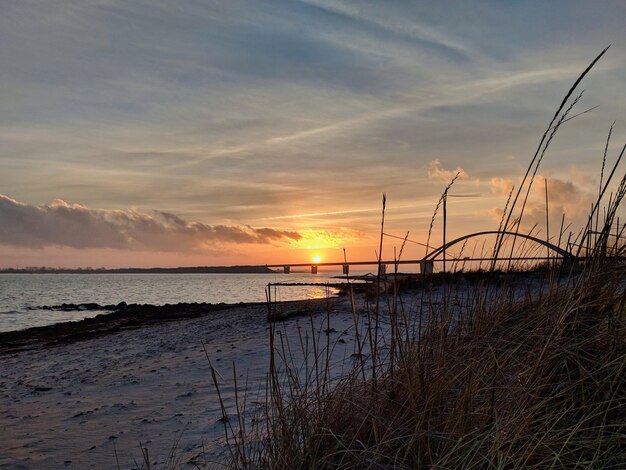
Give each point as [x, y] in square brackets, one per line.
[411, 30]
[469, 92]
[321, 214]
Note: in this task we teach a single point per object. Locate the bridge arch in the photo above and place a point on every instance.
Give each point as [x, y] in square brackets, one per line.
[433, 254]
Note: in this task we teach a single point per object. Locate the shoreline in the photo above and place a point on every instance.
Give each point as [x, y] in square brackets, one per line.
[252, 269]
[132, 316]
[129, 317]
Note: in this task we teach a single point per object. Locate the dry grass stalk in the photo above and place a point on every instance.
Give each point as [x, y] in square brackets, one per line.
[503, 371]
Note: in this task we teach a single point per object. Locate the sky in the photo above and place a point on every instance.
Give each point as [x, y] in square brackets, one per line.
[196, 132]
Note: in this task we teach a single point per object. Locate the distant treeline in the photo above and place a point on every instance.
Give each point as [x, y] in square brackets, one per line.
[180, 270]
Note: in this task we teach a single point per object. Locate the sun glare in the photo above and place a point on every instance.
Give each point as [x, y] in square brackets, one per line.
[317, 259]
[323, 239]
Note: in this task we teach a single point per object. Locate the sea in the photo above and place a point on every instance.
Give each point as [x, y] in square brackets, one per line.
[22, 295]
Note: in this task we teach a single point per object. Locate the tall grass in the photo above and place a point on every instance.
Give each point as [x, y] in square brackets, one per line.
[502, 371]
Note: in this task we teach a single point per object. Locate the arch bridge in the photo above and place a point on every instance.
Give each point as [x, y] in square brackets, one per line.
[433, 254]
[426, 263]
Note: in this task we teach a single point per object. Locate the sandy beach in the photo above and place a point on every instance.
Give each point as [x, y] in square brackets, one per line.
[91, 394]
[92, 403]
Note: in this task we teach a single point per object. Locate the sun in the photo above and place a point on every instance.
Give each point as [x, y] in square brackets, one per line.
[317, 259]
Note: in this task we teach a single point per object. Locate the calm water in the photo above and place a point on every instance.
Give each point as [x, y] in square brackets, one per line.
[19, 293]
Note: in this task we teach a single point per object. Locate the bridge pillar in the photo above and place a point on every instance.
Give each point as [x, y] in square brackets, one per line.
[287, 269]
[346, 269]
[427, 266]
[314, 269]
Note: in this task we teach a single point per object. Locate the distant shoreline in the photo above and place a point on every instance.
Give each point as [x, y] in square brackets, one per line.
[179, 270]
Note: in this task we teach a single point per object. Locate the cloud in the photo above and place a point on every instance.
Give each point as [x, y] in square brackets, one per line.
[564, 197]
[501, 186]
[569, 198]
[437, 172]
[418, 34]
[73, 225]
[496, 213]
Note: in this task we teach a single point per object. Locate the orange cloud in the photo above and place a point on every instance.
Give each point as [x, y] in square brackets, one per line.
[437, 172]
[501, 186]
[571, 198]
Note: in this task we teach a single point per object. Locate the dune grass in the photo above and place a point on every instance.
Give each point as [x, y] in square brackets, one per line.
[513, 384]
[494, 373]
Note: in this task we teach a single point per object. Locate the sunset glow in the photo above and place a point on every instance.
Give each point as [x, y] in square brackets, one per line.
[312, 239]
[259, 133]
[317, 259]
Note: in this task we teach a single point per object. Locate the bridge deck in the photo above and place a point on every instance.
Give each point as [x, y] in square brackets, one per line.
[411, 261]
